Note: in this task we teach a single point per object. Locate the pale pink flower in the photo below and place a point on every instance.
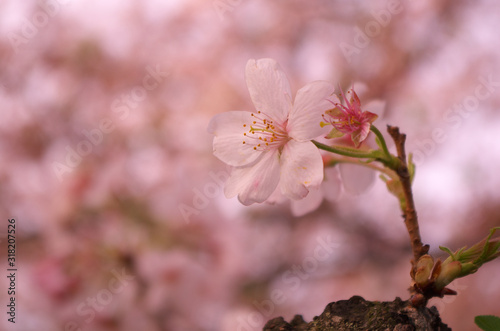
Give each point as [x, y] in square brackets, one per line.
[349, 118]
[272, 147]
[329, 189]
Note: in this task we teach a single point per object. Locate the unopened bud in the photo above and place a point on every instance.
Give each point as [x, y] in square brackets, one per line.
[468, 268]
[449, 272]
[424, 268]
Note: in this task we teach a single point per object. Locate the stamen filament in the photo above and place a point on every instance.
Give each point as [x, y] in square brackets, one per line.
[264, 129]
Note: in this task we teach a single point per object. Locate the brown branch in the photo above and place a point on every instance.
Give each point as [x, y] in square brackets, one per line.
[410, 214]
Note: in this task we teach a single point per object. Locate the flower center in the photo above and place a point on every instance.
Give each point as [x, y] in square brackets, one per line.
[347, 121]
[264, 134]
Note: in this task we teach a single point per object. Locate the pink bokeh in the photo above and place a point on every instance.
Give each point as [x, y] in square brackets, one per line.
[107, 167]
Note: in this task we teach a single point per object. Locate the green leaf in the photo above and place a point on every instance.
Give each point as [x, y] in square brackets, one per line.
[488, 322]
[480, 253]
[334, 133]
[489, 249]
[411, 167]
[395, 188]
[447, 250]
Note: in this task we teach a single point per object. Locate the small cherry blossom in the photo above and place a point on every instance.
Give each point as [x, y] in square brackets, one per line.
[271, 148]
[349, 118]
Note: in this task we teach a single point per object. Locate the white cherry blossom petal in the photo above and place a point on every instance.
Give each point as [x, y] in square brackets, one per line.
[332, 185]
[271, 147]
[228, 145]
[257, 182]
[310, 203]
[269, 88]
[356, 179]
[309, 106]
[277, 197]
[301, 168]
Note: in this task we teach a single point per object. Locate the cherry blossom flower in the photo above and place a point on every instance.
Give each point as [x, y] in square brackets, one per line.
[329, 189]
[349, 118]
[271, 148]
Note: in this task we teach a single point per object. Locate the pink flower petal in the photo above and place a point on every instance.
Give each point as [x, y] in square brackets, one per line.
[369, 117]
[310, 203]
[360, 135]
[354, 100]
[332, 185]
[228, 145]
[277, 197]
[269, 88]
[257, 182]
[301, 167]
[356, 179]
[309, 106]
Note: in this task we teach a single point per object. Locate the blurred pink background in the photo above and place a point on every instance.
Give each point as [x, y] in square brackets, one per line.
[107, 167]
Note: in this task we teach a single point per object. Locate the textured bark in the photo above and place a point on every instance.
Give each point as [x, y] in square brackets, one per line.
[359, 314]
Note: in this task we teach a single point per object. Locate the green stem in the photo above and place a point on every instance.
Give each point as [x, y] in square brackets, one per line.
[380, 137]
[372, 166]
[340, 151]
[410, 213]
